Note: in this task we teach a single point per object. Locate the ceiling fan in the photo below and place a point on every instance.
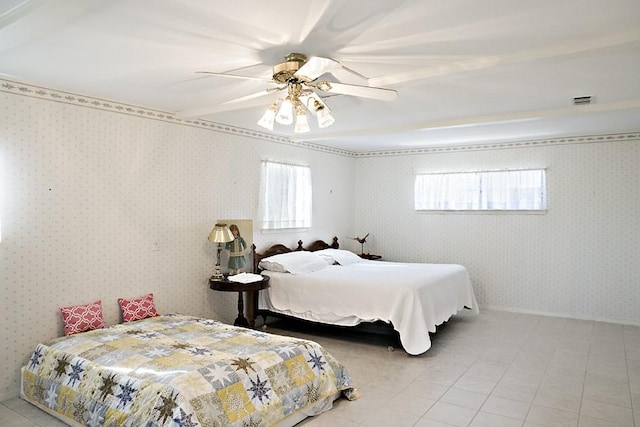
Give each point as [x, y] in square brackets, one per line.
[299, 76]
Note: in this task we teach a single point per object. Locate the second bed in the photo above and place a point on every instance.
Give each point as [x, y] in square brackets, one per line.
[347, 290]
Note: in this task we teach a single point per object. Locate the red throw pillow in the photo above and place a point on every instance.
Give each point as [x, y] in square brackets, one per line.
[137, 309]
[81, 318]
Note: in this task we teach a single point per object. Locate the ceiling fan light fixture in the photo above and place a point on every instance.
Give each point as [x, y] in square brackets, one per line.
[325, 119]
[269, 116]
[324, 86]
[299, 73]
[315, 102]
[285, 114]
[302, 125]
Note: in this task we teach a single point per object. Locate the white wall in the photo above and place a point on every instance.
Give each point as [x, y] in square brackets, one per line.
[86, 193]
[581, 259]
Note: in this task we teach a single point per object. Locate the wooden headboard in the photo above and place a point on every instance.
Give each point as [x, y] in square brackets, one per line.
[282, 249]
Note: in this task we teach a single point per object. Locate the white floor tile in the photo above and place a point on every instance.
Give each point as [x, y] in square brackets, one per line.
[410, 404]
[465, 398]
[386, 417]
[426, 389]
[635, 401]
[484, 419]
[520, 391]
[431, 423]
[551, 417]
[558, 398]
[477, 384]
[586, 421]
[607, 412]
[451, 414]
[606, 392]
[506, 407]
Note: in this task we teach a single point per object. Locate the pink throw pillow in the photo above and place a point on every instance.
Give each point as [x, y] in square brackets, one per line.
[81, 318]
[137, 309]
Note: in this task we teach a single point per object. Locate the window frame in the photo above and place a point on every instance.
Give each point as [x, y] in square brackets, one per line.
[536, 204]
[290, 203]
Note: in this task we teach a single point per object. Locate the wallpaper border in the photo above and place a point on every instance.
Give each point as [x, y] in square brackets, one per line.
[33, 91]
[39, 92]
[586, 139]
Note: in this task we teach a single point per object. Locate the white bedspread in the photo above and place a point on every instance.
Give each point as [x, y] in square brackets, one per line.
[415, 298]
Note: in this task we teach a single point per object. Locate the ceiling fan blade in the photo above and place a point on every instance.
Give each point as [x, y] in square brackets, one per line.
[254, 95]
[21, 9]
[357, 90]
[355, 73]
[315, 67]
[227, 106]
[235, 76]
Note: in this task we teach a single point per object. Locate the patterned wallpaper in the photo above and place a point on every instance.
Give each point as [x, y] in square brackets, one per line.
[580, 259]
[102, 203]
[100, 200]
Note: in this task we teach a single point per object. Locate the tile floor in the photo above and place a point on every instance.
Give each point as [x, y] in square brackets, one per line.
[496, 369]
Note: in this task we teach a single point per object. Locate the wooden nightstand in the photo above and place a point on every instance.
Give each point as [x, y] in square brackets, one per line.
[251, 290]
[370, 256]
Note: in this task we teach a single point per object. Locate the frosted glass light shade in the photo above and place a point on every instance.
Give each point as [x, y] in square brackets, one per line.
[285, 115]
[325, 118]
[302, 125]
[268, 118]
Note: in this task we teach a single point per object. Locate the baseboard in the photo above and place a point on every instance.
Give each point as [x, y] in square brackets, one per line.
[9, 395]
[553, 314]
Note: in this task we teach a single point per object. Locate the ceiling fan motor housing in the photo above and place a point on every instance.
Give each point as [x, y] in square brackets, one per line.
[284, 72]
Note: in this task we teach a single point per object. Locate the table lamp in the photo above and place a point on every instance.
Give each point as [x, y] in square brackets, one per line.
[220, 234]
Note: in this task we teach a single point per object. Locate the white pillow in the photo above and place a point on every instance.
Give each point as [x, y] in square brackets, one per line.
[271, 266]
[298, 262]
[327, 258]
[340, 256]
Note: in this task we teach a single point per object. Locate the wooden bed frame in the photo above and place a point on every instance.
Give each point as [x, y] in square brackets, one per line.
[276, 249]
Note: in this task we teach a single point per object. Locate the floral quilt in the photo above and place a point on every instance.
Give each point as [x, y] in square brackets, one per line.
[178, 370]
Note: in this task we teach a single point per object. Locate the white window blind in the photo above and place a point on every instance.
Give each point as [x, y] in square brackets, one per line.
[285, 196]
[493, 190]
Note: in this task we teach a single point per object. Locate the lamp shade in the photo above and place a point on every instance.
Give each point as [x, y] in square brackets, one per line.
[220, 234]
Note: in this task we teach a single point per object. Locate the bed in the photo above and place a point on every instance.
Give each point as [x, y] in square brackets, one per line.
[178, 370]
[413, 298]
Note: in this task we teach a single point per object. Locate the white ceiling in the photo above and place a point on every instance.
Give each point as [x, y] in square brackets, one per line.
[466, 71]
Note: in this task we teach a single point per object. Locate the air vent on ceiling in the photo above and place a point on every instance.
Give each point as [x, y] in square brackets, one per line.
[582, 100]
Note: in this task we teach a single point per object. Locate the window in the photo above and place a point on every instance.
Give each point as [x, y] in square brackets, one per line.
[285, 196]
[495, 190]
